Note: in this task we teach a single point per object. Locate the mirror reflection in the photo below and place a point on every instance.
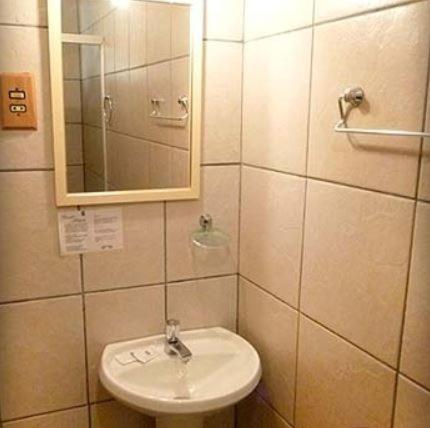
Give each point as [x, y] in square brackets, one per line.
[126, 70]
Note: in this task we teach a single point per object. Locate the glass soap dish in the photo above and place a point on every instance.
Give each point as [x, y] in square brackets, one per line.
[209, 237]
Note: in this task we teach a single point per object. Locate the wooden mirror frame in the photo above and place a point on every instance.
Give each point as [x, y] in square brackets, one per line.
[63, 198]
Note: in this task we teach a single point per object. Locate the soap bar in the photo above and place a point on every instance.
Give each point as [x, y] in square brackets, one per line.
[145, 355]
[125, 358]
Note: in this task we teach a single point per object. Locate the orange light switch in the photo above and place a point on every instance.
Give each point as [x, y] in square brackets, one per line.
[17, 104]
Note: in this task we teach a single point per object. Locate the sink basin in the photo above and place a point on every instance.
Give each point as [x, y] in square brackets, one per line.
[224, 369]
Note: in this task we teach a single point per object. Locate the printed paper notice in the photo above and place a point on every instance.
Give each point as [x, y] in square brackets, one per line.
[89, 230]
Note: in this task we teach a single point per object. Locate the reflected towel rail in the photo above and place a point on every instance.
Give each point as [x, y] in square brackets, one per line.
[354, 97]
[156, 114]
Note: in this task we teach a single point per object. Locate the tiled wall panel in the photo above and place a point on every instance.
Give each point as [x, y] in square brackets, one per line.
[50, 304]
[354, 268]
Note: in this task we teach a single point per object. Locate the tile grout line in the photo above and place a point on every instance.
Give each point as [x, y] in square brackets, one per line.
[81, 256]
[269, 169]
[325, 327]
[241, 143]
[239, 234]
[328, 181]
[114, 289]
[166, 299]
[85, 338]
[49, 412]
[333, 20]
[411, 248]
[304, 214]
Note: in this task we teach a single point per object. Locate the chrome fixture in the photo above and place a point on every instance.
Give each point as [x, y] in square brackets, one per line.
[107, 109]
[353, 97]
[156, 114]
[174, 346]
[209, 237]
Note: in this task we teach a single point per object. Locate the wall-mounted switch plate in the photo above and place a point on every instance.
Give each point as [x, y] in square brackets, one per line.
[17, 103]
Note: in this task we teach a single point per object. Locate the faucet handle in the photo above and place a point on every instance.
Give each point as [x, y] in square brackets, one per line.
[173, 328]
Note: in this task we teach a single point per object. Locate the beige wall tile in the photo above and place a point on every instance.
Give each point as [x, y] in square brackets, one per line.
[27, 49]
[91, 96]
[338, 385]
[393, 59]
[74, 144]
[92, 11]
[75, 179]
[204, 303]
[69, 16]
[221, 419]
[224, 19]
[271, 326]
[71, 61]
[141, 260]
[90, 58]
[42, 350]
[122, 103]
[180, 74]
[180, 30]
[416, 336]
[355, 264]
[333, 9]
[276, 16]
[115, 316]
[424, 182]
[122, 39]
[93, 148]
[271, 231]
[158, 32]
[28, 219]
[159, 87]
[222, 102]
[93, 181]
[276, 101]
[128, 162]
[138, 102]
[108, 28]
[137, 33]
[25, 12]
[219, 198]
[75, 418]
[73, 102]
[413, 405]
[115, 415]
[253, 412]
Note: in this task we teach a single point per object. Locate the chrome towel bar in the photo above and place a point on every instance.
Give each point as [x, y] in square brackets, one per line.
[353, 97]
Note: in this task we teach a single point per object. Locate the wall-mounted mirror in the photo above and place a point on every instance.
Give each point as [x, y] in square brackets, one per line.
[126, 95]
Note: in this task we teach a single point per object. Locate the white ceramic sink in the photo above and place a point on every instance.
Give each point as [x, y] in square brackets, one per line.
[224, 369]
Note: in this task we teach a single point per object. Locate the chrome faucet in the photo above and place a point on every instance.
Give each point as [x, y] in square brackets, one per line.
[174, 346]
